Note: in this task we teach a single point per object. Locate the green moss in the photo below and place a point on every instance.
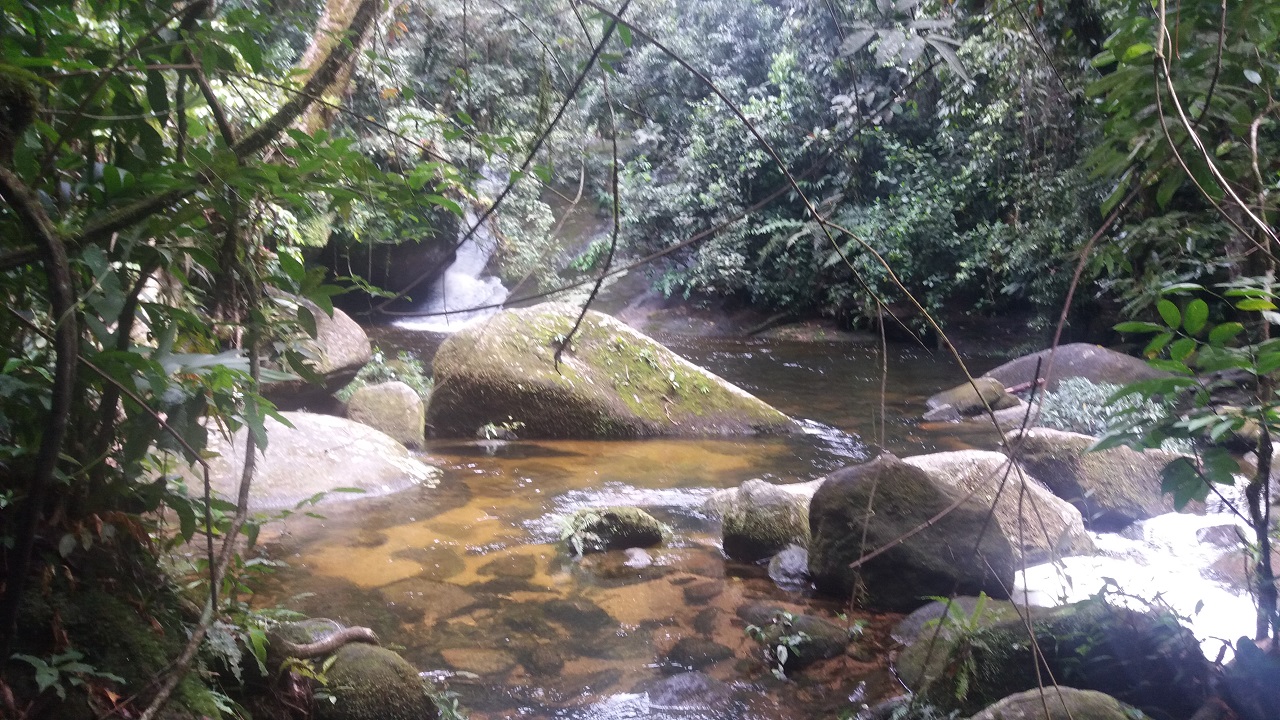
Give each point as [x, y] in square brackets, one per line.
[1144, 659]
[610, 382]
[615, 528]
[368, 682]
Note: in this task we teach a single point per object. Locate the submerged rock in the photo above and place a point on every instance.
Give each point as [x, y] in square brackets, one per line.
[760, 518]
[1092, 362]
[695, 653]
[373, 683]
[688, 692]
[1145, 659]
[616, 528]
[1111, 488]
[611, 382]
[808, 639]
[1064, 703]
[320, 453]
[1039, 525]
[959, 552]
[392, 407]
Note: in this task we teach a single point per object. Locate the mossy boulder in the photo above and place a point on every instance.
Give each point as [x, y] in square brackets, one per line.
[372, 683]
[391, 407]
[611, 382]
[1084, 360]
[1111, 488]
[615, 528]
[130, 637]
[1144, 659]
[958, 552]
[1064, 703]
[971, 399]
[759, 519]
[1040, 525]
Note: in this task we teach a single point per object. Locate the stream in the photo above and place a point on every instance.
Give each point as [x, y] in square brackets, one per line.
[469, 581]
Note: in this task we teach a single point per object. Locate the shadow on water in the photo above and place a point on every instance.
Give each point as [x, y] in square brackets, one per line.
[472, 581]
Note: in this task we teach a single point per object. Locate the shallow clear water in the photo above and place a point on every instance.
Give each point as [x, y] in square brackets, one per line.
[470, 581]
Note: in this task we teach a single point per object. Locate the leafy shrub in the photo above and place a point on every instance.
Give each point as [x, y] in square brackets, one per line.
[404, 367]
[1083, 406]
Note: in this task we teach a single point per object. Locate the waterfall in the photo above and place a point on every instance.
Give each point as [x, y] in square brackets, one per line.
[460, 296]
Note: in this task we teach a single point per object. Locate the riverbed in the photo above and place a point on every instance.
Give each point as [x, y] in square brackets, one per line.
[469, 579]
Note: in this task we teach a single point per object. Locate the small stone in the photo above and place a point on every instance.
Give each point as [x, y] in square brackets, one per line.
[789, 569]
[701, 591]
[544, 660]
[695, 653]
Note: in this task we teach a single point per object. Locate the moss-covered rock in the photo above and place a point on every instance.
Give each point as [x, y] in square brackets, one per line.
[1039, 525]
[970, 399]
[372, 683]
[1111, 488]
[1144, 659]
[760, 519]
[392, 407]
[611, 382]
[808, 639]
[959, 552]
[1064, 703]
[134, 640]
[615, 528]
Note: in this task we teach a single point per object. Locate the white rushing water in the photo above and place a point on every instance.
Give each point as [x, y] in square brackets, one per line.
[1156, 563]
[463, 295]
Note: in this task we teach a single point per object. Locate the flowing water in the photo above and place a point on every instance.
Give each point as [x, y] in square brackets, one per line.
[464, 295]
[469, 578]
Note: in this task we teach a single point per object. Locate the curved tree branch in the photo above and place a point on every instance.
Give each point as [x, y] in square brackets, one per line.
[39, 229]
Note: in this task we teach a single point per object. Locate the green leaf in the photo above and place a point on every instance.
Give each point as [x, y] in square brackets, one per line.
[1220, 467]
[1157, 344]
[1224, 333]
[1253, 304]
[1253, 76]
[1168, 186]
[624, 32]
[1197, 313]
[1138, 327]
[1181, 480]
[1136, 50]
[1169, 313]
[1181, 349]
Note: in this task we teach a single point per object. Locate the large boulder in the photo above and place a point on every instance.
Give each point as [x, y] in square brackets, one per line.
[1063, 703]
[1144, 659]
[320, 453]
[372, 683]
[759, 519]
[881, 504]
[611, 382]
[1111, 488]
[973, 398]
[392, 407]
[1040, 525]
[338, 351]
[1092, 362]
